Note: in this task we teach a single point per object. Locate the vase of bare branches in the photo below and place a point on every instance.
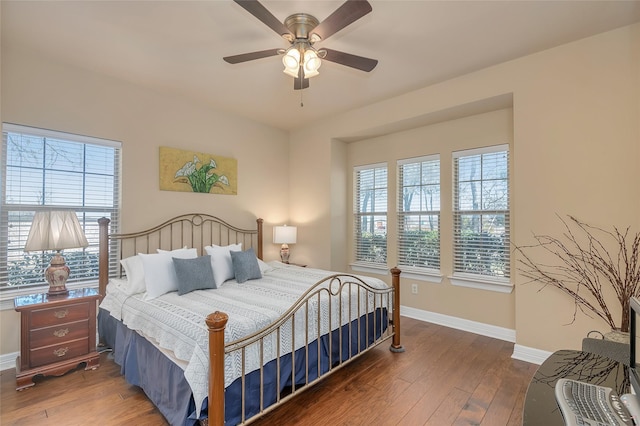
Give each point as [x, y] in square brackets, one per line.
[617, 336]
[590, 260]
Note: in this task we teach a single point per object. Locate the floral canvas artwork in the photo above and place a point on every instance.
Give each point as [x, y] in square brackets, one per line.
[189, 171]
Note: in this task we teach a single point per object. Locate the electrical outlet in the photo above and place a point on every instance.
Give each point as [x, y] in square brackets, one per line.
[414, 288]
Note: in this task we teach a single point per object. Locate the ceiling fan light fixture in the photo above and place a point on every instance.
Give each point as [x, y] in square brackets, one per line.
[311, 63]
[314, 38]
[291, 61]
[292, 72]
[291, 58]
[309, 74]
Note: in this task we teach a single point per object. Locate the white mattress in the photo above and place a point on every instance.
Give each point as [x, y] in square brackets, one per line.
[176, 324]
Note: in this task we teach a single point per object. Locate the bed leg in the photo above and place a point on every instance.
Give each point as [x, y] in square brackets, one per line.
[395, 278]
[216, 322]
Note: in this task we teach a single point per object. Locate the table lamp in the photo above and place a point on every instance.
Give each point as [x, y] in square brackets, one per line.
[284, 235]
[55, 230]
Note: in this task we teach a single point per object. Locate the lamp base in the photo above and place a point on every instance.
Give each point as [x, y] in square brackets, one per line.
[56, 275]
[284, 253]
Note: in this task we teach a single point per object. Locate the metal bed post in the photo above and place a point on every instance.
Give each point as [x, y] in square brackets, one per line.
[396, 346]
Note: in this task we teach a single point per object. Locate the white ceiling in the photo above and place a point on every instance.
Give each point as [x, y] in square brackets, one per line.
[177, 46]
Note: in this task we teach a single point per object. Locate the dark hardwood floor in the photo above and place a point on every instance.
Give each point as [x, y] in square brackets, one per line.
[445, 377]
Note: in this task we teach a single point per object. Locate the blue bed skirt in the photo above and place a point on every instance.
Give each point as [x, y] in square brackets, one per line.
[143, 365]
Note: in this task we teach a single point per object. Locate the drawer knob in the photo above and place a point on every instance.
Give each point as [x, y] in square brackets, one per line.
[61, 333]
[61, 313]
[61, 351]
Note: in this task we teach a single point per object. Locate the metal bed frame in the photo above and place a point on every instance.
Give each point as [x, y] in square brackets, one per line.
[347, 291]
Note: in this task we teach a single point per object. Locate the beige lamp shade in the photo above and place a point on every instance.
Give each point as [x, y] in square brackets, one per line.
[55, 230]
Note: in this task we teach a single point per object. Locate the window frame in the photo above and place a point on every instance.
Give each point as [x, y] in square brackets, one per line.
[358, 264]
[476, 280]
[86, 213]
[425, 273]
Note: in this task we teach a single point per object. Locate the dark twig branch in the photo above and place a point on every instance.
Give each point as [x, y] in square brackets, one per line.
[586, 267]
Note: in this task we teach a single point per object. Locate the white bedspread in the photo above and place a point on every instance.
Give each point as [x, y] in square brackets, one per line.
[177, 323]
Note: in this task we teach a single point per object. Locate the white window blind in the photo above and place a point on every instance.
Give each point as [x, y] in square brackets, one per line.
[43, 170]
[419, 212]
[370, 216]
[481, 212]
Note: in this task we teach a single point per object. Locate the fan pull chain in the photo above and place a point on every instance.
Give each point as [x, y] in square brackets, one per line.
[301, 103]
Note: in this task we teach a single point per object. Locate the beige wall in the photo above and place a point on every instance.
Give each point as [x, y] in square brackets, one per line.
[492, 128]
[39, 92]
[576, 145]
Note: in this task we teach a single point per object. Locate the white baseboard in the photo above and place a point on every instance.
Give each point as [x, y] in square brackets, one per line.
[532, 355]
[523, 353]
[6, 305]
[8, 361]
[496, 332]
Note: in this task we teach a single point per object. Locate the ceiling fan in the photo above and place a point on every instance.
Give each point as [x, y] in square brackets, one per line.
[302, 31]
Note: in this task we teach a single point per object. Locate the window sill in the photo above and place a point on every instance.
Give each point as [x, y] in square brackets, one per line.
[421, 274]
[7, 295]
[370, 268]
[482, 283]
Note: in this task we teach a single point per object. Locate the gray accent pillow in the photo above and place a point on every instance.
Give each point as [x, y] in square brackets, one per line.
[193, 274]
[245, 265]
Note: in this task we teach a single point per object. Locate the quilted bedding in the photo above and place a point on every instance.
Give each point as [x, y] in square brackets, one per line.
[176, 323]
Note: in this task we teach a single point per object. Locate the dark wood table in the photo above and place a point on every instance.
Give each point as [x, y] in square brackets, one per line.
[57, 333]
[540, 406]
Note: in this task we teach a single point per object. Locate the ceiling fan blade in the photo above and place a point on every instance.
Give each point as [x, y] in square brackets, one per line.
[236, 59]
[300, 82]
[353, 61]
[349, 12]
[296, 84]
[256, 8]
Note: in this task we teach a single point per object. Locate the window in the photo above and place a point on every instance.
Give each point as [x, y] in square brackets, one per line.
[481, 212]
[370, 219]
[42, 169]
[419, 213]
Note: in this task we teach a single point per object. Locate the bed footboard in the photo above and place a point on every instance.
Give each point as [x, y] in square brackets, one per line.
[360, 333]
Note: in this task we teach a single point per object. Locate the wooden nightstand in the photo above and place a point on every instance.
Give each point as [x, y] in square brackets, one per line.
[57, 333]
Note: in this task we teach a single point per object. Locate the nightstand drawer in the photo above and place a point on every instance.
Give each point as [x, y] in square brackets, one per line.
[59, 333]
[59, 315]
[61, 352]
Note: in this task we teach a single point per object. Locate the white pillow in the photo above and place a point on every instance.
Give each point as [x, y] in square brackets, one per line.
[134, 269]
[117, 284]
[171, 251]
[264, 267]
[221, 262]
[159, 273]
